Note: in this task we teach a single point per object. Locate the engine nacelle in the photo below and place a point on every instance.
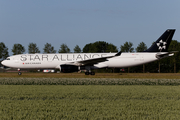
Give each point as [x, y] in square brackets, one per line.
[69, 68]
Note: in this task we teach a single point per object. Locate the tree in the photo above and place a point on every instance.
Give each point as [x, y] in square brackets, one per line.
[48, 48]
[77, 49]
[141, 47]
[32, 48]
[127, 47]
[18, 49]
[174, 46]
[88, 48]
[3, 51]
[64, 49]
[99, 46]
[111, 48]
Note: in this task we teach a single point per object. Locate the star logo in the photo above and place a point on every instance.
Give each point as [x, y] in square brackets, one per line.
[161, 45]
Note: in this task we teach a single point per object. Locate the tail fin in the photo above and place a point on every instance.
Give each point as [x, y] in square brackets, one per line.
[162, 44]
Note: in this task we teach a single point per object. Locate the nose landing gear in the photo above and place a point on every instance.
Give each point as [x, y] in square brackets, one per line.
[19, 73]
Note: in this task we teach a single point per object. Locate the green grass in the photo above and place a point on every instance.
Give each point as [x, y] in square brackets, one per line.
[89, 102]
[87, 81]
[97, 75]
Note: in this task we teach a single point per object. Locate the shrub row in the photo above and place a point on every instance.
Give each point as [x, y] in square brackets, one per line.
[87, 81]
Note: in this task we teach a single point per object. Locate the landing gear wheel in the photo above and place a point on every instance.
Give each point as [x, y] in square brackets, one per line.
[19, 73]
[92, 73]
[89, 73]
[86, 73]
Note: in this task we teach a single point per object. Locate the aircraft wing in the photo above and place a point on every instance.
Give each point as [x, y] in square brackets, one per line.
[94, 61]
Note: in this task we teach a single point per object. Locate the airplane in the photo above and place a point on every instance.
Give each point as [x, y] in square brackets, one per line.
[74, 62]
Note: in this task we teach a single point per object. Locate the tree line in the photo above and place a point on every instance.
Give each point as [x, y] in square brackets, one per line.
[170, 64]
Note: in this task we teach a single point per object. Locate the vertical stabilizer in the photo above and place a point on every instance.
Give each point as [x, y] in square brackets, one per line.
[162, 44]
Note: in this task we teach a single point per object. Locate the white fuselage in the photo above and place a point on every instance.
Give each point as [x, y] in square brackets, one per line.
[42, 61]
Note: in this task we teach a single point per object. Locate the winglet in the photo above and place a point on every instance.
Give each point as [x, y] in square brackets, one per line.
[118, 54]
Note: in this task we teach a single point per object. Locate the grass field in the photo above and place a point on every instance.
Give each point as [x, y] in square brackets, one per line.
[98, 75]
[103, 96]
[89, 102]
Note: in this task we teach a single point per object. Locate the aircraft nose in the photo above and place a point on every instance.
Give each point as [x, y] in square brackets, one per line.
[3, 62]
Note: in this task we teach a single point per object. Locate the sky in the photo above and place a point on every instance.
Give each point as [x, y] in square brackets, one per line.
[80, 22]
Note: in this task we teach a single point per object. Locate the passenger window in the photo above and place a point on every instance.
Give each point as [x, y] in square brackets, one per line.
[7, 58]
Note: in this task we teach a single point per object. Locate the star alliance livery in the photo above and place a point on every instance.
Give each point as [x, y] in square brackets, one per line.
[74, 62]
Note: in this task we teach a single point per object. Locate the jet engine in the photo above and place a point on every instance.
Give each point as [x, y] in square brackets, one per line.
[69, 68]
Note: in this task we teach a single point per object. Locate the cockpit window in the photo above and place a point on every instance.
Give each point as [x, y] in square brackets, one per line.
[7, 58]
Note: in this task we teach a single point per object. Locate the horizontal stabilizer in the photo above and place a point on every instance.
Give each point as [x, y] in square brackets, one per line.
[164, 55]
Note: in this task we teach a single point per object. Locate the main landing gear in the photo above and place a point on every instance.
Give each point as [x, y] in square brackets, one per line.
[19, 73]
[88, 70]
[89, 73]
